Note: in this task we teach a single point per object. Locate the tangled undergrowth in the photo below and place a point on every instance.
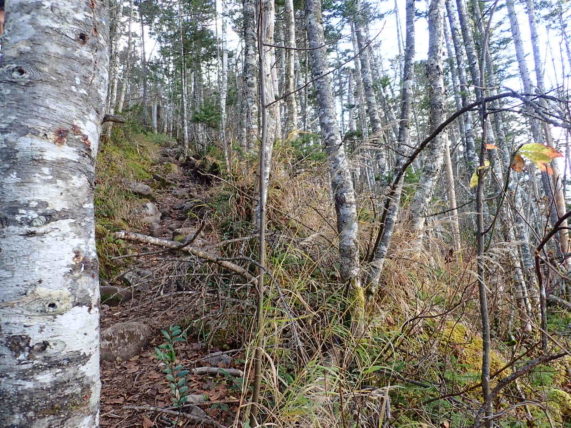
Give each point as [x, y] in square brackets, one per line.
[418, 364]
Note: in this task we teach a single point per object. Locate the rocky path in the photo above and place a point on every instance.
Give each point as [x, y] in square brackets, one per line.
[161, 289]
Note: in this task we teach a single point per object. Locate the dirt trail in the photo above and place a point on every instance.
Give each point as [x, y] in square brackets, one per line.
[166, 296]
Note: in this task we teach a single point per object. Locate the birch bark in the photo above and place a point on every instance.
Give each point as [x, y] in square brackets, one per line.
[249, 108]
[467, 119]
[341, 184]
[184, 84]
[223, 81]
[53, 85]
[272, 122]
[556, 179]
[291, 100]
[368, 88]
[375, 268]
[434, 153]
[127, 69]
[144, 63]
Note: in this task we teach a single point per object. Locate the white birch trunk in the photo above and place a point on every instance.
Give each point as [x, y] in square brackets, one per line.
[451, 193]
[291, 100]
[223, 78]
[435, 151]
[460, 56]
[368, 89]
[375, 268]
[183, 84]
[249, 107]
[155, 116]
[341, 184]
[273, 128]
[556, 179]
[144, 71]
[127, 69]
[53, 84]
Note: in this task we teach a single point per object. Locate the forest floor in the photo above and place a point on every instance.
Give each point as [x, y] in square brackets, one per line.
[130, 386]
[423, 343]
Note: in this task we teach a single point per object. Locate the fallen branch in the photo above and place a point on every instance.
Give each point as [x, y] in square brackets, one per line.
[217, 370]
[559, 301]
[138, 237]
[193, 418]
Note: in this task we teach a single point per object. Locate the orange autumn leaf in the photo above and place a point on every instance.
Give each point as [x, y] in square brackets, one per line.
[518, 163]
[491, 147]
[545, 168]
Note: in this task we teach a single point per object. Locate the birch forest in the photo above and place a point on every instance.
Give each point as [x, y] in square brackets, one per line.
[285, 213]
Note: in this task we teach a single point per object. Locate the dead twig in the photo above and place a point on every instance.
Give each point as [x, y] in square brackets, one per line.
[138, 237]
[217, 370]
[193, 418]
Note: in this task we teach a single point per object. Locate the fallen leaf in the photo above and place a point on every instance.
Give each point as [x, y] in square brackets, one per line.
[147, 423]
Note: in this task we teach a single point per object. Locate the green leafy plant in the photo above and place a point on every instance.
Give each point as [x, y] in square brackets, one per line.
[175, 373]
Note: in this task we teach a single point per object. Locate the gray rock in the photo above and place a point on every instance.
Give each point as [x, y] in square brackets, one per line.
[124, 340]
[196, 398]
[156, 230]
[138, 278]
[218, 359]
[149, 213]
[139, 188]
[186, 231]
[113, 296]
[182, 193]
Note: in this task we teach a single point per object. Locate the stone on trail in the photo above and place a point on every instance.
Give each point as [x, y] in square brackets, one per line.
[124, 340]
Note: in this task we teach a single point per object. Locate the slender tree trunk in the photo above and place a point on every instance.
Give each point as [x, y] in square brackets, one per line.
[451, 193]
[144, 63]
[434, 154]
[272, 120]
[127, 69]
[249, 107]
[460, 56]
[223, 83]
[375, 268]
[115, 33]
[362, 114]
[155, 116]
[183, 84]
[368, 88]
[291, 100]
[53, 84]
[341, 183]
[556, 182]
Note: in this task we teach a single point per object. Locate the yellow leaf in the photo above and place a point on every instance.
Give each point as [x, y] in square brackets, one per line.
[474, 179]
[518, 163]
[486, 165]
[491, 147]
[539, 154]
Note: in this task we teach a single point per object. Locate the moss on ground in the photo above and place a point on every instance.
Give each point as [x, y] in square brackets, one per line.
[127, 156]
